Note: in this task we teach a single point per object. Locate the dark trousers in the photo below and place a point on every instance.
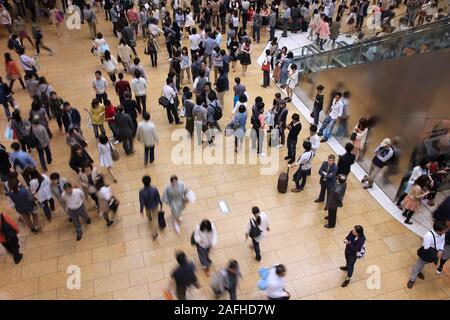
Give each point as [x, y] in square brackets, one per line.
[127, 143]
[266, 78]
[12, 246]
[295, 24]
[46, 207]
[101, 97]
[256, 34]
[271, 33]
[96, 127]
[203, 256]
[285, 27]
[190, 126]
[232, 292]
[359, 21]
[48, 155]
[300, 175]
[291, 146]
[257, 249]
[142, 101]
[223, 23]
[315, 115]
[12, 82]
[323, 190]
[332, 217]
[39, 44]
[154, 58]
[282, 136]
[113, 128]
[181, 293]
[350, 263]
[149, 153]
[169, 49]
[172, 113]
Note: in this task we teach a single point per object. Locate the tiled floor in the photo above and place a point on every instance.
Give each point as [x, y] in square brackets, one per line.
[122, 262]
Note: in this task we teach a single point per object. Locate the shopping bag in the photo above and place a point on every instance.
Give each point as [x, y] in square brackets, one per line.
[9, 134]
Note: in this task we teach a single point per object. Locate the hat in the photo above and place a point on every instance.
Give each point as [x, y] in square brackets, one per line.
[386, 142]
[320, 87]
[35, 119]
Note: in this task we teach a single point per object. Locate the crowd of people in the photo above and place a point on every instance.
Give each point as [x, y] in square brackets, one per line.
[194, 89]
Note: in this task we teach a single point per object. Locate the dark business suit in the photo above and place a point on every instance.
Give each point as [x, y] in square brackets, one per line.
[328, 180]
[334, 201]
[125, 128]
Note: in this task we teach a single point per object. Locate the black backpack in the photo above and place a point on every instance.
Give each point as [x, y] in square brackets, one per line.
[218, 113]
[430, 254]
[255, 231]
[394, 159]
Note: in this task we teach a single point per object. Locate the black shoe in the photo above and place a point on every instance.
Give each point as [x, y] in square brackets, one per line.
[89, 221]
[421, 276]
[258, 258]
[34, 230]
[287, 158]
[408, 222]
[345, 283]
[318, 200]
[328, 226]
[343, 268]
[79, 236]
[326, 218]
[324, 140]
[410, 284]
[404, 213]
[319, 134]
[70, 220]
[19, 259]
[291, 161]
[109, 223]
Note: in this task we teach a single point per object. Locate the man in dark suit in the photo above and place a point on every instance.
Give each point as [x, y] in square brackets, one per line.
[125, 128]
[294, 130]
[334, 200]
[71, 117]
[328, 171]
[346, 160]
[131, 107]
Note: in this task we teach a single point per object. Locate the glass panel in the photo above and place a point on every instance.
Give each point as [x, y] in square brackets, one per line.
[385, 49]
[426, 41]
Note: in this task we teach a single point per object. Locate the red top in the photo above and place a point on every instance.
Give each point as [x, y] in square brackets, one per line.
[110, 113]
[122, 86]
[9, 221]
[11, 68]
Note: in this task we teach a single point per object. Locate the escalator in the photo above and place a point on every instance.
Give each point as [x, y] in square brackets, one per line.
[422, 39]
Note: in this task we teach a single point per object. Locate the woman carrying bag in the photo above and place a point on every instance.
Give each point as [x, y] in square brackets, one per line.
[106, 200]
[110, 64]
[257, 228]
[105, 152]
[204, 238]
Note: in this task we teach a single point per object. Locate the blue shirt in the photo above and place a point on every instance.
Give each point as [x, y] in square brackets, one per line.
[149, 198]
[210, 44]
[22, 159]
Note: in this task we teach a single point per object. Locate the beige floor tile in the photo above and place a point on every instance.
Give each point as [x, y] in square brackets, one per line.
[108, 252]
[127, 263]
[111, 283]
[133, 293]
[19, 289]
[37, 269]
[86, 291]
[80, 259]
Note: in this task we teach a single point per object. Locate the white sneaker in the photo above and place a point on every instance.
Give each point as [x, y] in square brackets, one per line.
[280, 146]
[262, 154]
[177, 227]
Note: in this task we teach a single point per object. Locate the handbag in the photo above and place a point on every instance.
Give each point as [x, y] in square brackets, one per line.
[193, 242]
[113, 204]
[265, 67]
[353, 136]
[161, 220]
[114, 153]
[430, 254]
[255, 231]
[163, 101]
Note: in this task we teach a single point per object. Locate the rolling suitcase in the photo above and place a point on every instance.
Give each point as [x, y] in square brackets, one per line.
[283, 179]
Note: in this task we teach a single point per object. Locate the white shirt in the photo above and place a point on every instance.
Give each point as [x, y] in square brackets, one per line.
[194, 85]
[206, 239]
[428, 241]
[139, 86]
[336, 109]
[194, 41]
[124, 52]
[275, 285]
[417, 172]
[305, 160]
[315, 142]
[169, 93]
[263, 226]
[110, 65]
[75, 200]
[100, 85]
[27, 62]
[105, 193]
[44, 192]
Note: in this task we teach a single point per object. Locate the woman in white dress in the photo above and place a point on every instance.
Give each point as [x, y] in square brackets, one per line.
[105, 154]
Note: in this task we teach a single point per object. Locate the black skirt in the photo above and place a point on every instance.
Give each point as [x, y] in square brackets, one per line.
[245, 59]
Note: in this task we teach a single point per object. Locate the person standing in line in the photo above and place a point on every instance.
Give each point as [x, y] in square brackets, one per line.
[226, 279]
[188, 106]
[328, 172]
[105, 155]
[286, 19]
[40, 188]
[292, 81]
[174, 196]
[205, 238]
[334, 200]
[275, 283]
[304, 164]
[57, 189]
[100, 85]
[341, 130]
[417, 192]
[8, 237]
[150, 199]
[431, 251]
[265, 67]
[258, 124]
[106, 200]
[281, 121]
[257, 228]
[91, 19]
[294, 130]
[23, 203]
[257, 23]
[170, 94]
[383, 155]
[183, 276]
[318, 104]
[74, 199]
[110, 64]
[147, 135]
[43, 142]
[360, 135]
[354, 244]
[239, 121]
[333, 116]
[125, 129]
[346, 160]
[21, 160]
[139, 86]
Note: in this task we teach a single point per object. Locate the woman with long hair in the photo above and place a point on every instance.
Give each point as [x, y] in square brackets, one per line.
[205, 238]
[416, 193]
[359, 137]
[256, 230]
[106, 200]
[246, 51]
[12, 71]
[354, 244]
[423, 168]
[110, 64]
[105, 154]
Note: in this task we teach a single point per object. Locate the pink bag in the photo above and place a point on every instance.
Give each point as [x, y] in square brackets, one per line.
[58, 16]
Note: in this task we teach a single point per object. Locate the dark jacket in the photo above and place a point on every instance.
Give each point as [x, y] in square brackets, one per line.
[188, 108]
[130, 107]
[23, 200]
[335, 196]
[149, 198]
[345, 162]
[124, 124]
[72, 116]
[330, 177]
[5, 164]
[294, 131]
[76, 161]
[222, 83]
[354, 246]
